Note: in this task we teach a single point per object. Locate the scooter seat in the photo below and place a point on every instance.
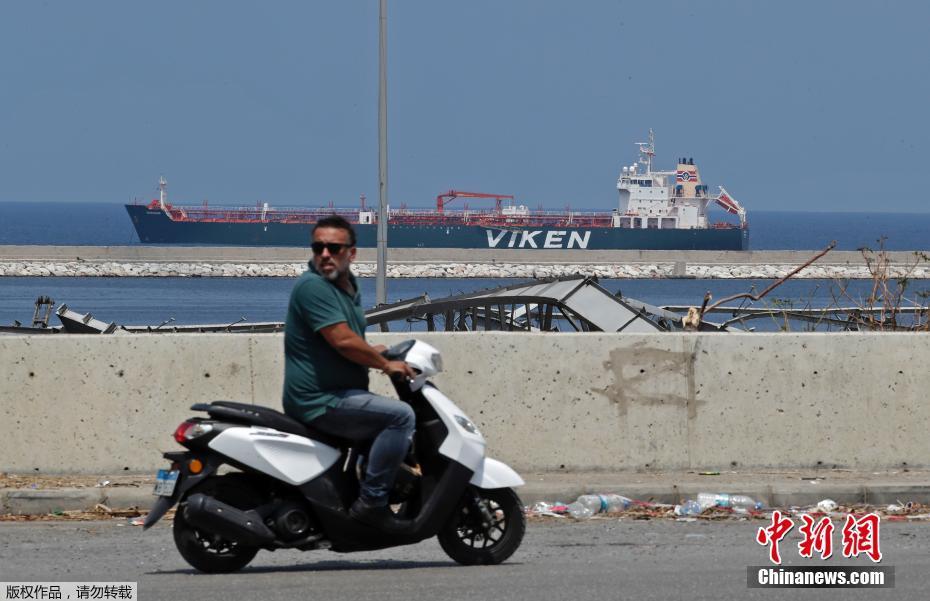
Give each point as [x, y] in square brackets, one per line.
[256, 415]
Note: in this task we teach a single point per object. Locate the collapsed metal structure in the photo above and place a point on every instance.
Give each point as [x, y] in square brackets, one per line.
[581, 304]
[575, 304]
[568, 304]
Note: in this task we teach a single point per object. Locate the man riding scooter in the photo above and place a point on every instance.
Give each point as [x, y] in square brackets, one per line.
[326, 369]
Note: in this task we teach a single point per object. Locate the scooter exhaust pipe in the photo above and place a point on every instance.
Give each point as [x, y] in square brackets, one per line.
[216, 517]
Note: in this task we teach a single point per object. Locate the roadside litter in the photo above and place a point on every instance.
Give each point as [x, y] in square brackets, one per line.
[588, 505]
[99, 512]
[715, 506]
[740, 504]
[827, 505]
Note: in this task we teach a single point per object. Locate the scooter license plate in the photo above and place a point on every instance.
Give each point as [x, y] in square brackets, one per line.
[165, 482]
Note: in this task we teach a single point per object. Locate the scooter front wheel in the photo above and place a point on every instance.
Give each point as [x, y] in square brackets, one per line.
[486, 529]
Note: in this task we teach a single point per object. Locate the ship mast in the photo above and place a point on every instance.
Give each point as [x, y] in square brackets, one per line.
[647, 150]
[162, 192]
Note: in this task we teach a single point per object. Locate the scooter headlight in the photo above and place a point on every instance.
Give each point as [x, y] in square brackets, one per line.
[466, 424]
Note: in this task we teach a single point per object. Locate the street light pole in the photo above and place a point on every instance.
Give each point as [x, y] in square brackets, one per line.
[381, 284]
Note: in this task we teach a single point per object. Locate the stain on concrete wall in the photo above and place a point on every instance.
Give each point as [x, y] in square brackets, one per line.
[650, 376]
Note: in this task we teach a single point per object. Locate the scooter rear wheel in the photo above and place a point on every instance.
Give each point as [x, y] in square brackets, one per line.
[205, 551]
[465, 538]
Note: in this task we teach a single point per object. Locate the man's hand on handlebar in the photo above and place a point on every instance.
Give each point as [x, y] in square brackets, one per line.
[396, 369]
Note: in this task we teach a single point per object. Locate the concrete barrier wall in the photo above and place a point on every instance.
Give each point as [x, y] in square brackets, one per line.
[95, 404]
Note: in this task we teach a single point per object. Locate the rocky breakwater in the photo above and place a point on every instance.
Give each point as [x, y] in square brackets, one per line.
[445, 270]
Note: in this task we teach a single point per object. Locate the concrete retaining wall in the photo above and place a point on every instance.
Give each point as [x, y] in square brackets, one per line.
[98, 404]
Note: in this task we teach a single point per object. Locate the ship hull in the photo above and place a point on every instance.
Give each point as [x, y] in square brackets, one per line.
[154, 227]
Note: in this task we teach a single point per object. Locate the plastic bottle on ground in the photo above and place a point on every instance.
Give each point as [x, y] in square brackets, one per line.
[736, 502]
[689, 507]
[578, 511]
[587, 505]
[613, 502]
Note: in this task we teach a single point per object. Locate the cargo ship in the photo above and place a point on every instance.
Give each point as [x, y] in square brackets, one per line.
[656, 210]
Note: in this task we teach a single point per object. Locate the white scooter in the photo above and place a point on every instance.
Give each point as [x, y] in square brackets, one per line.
[291, 487]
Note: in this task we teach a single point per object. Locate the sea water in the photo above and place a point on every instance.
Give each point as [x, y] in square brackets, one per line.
[150, 301]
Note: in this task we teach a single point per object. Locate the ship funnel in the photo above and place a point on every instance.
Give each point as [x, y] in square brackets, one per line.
[688, 179]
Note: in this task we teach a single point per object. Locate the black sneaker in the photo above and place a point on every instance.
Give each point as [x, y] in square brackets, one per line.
[379, 516]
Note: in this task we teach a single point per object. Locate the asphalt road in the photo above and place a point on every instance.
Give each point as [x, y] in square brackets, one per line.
[599, 559]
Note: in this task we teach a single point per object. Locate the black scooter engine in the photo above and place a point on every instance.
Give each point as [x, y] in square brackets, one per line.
[291, 521]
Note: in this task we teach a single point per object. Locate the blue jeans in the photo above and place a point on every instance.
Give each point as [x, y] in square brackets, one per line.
[387, 423]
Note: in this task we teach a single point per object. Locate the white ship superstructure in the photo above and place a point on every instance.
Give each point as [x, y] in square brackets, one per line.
[666, 199]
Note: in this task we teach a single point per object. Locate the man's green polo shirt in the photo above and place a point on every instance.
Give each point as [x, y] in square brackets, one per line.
[312, 368]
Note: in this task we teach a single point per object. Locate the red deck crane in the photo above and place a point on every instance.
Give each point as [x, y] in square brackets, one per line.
[443, 199]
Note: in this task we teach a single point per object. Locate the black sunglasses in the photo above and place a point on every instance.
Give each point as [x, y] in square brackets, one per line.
[334, 248]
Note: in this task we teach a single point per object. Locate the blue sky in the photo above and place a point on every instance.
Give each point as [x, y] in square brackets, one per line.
[791, 105]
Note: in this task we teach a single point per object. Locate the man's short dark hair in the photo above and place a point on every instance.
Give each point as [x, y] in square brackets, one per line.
[337, 222]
